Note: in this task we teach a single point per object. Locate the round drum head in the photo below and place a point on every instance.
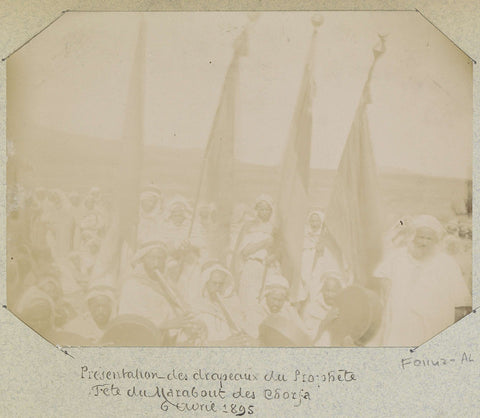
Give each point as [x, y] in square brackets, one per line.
[130, 330]
[278, 331]
[359, 315]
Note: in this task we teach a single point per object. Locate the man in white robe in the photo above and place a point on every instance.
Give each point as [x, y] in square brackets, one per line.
[93, 220]
[36, 308]
[254, 251]
[144, 295]
[319, 307]
[99, 311]
[151, 214]
[205, 232]
[274, 301]
[316, 258]
[313, 231]
[183, 244]
[218, 308]
[426, 287]
[175, 229]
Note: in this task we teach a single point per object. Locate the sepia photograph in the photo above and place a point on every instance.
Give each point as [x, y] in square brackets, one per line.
[234, 179]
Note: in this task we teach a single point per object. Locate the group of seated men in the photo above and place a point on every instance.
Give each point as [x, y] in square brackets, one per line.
[74, 282]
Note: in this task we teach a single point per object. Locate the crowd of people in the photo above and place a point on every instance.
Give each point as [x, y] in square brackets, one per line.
[70, 281]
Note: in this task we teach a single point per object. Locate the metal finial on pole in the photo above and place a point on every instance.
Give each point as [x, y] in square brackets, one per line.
[317, 20]
[379, 48]
[378, 51]
[240, 49]
[253, 16]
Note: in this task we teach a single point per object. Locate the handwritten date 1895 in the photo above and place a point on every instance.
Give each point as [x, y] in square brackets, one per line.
[238, 409]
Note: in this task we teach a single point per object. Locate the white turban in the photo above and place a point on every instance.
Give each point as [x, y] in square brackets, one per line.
[209, 268]
[320, 214]
[171, 263]
[147, 194]
[106, 291]
[276, 282]
[151, 191]
[336, 275]
[178, 201]
[264, 198]
[104, 285]
[428, 221]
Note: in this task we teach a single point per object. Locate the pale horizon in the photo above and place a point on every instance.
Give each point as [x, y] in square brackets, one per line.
[421, 90]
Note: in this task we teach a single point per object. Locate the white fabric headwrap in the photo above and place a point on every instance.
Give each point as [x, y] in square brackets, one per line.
[428, 221]
[264, 198]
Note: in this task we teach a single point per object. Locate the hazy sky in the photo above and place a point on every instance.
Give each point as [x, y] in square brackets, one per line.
[74, 76]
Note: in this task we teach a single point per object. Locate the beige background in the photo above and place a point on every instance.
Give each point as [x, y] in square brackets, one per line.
[36, 379]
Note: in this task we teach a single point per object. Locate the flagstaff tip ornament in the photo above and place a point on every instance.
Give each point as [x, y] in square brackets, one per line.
[253, 16]
[240, 44]
[379, 48]
[317, 20]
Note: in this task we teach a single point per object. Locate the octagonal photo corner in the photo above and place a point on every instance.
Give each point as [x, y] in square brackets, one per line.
[277, 179]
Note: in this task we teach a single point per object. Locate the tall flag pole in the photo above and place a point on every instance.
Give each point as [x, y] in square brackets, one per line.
[293, 198]
[128, 194]
[216, 178]
[353, 218]
[121, 235]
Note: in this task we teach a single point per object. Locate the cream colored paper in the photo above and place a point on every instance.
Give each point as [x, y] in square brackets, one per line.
[40, 379]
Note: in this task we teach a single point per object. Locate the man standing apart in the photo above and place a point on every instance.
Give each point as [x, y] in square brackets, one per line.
[425, 287]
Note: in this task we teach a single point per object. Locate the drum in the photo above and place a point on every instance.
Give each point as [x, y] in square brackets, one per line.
[131, 330]
[278, 331]
[359, 316]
